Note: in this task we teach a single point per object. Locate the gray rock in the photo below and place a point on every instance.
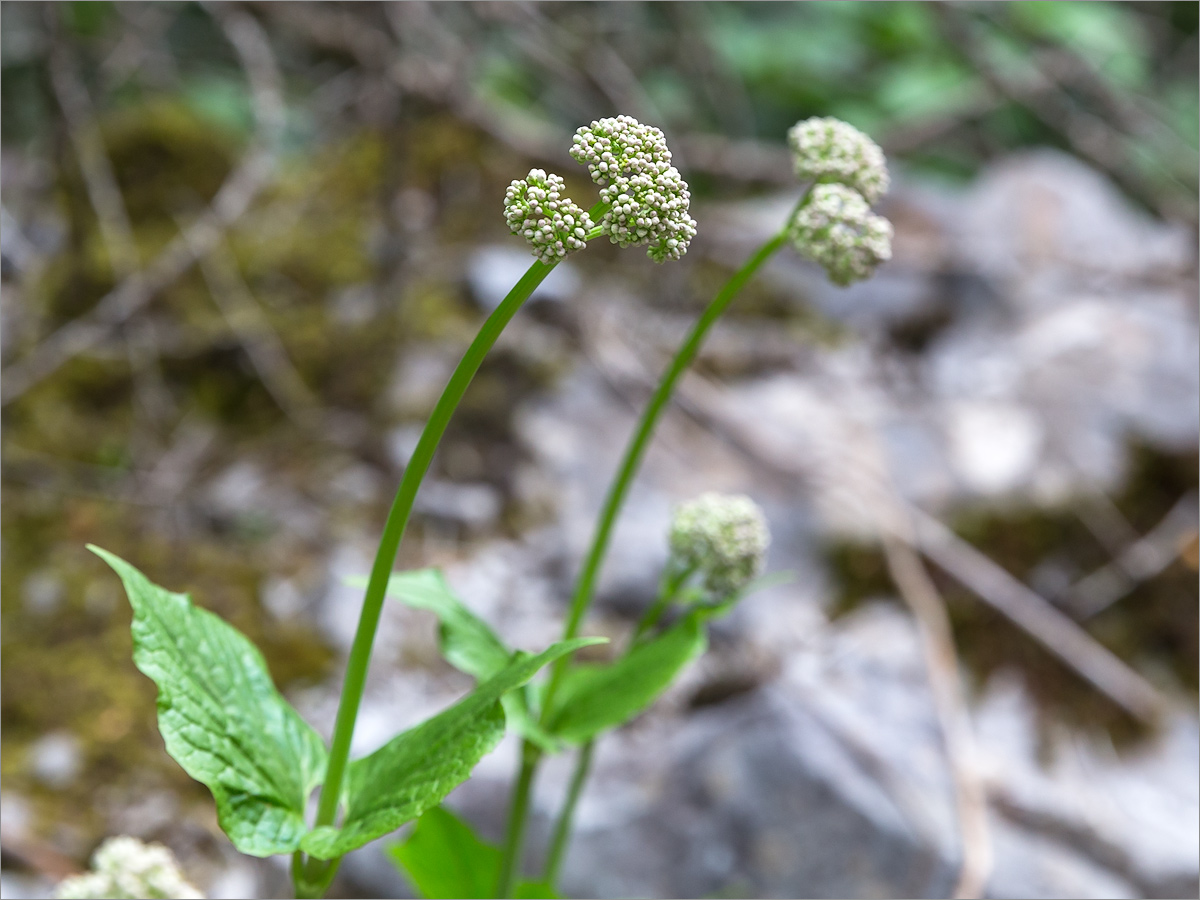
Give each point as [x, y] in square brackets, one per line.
[492, 271]
[56, 758]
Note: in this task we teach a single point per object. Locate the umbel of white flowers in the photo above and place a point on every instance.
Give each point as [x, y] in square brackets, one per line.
[723, 538]
[537, 209]
[827, 149]
[837, 229]
[835, 226]
[650, 201]
[125, 867]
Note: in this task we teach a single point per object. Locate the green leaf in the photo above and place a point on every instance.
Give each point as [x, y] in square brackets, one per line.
[444, 858]
[416, 769]
[593, 699]
[468, 643]
[221, 717]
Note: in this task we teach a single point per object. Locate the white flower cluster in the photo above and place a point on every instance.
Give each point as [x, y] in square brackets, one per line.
[721, 537]
[125, 867]
[827, 149]
[837, 229]
[649, 198]
[537, 209]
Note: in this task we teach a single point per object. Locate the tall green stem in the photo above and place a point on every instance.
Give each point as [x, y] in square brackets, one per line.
[583, 765]
[617, 491]
[315, 872]
[393, 531]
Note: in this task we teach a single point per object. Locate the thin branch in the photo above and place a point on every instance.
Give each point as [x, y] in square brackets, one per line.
[941, 665]
[99, 180]
[1139, 561]
[1038, 618]
[258, 338]
[231, 201]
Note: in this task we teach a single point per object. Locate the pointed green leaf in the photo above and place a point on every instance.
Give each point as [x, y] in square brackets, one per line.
[416, 769]
[444, 859]
[593, 698]
[221, 717]
[468, 643]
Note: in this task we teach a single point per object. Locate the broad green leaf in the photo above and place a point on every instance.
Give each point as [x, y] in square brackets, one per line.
[416, 769]
[444, 858]
[468, 643]
[593, 698]
[221, 717]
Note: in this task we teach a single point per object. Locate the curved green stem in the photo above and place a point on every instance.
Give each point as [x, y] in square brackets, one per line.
[619, 488]
[311, 873]
[617, 492]
[393, 531]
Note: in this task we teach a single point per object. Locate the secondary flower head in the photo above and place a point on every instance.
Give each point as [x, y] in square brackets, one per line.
[649, 199]
[837, 229]
[722, 537]
[125, 867]
[537, 208]
[828, 149]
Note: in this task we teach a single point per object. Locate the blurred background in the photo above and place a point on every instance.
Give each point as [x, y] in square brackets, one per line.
[244, 244]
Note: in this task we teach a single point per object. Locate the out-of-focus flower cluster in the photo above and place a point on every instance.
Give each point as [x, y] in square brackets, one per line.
[835, 226]
[537, 208]
[723, 539]
[125, 867]
[650, 200]
[827, 149]
[837, 229]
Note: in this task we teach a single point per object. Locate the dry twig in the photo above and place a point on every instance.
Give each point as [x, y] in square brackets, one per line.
[231, 201]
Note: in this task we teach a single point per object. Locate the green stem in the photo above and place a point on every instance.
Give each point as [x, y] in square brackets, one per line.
[510, 861]
[583, 765]
[619, 488]
[616, 497]
[562, 828]
[393, 531]
[312, 872]
[666, 596]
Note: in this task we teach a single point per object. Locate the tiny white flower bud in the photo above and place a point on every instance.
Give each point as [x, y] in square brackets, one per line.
[723, 538]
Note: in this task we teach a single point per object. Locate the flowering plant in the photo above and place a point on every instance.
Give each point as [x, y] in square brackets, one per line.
[225, 723]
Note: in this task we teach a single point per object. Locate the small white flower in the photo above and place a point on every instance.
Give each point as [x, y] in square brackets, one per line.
[721, 537]
[538, 209]
[837, 229]
[124, 867]
[649, 199]
[828, 149]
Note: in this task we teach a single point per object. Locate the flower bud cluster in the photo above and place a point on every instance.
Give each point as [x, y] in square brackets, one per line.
[837, 229]
[125, 867]
[723, 538]
[828, 149]
[649, 199]
[537, 209]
